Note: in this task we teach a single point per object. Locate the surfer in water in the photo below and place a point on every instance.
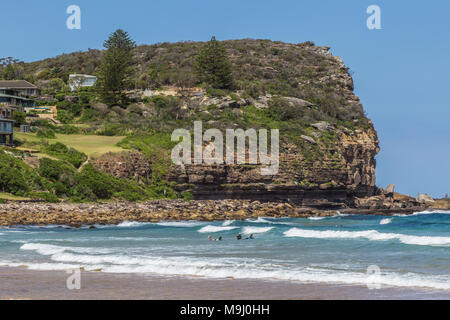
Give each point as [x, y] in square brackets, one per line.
[239, 237]
[212, 239]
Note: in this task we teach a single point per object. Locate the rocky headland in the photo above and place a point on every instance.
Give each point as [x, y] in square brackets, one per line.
[327, 144]
[78, 215]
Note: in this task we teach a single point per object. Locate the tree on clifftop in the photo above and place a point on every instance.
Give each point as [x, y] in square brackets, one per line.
[213, 66]
[116, 67]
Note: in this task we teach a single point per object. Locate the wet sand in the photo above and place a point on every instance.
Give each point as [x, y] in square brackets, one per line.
[20, 283]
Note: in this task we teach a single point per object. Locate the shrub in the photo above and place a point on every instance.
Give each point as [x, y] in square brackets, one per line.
[129, 196]
[187, 196]
[53, 169]
[280, 109]
[64, 116]
[68, 129]
[46, 196]
[101, 184]
[216, 92]
[166, 107]
[13, 181]
[46, 133]
[253, 90]
[18, 178]
[61, 151]
[89, 115]
[19, 117]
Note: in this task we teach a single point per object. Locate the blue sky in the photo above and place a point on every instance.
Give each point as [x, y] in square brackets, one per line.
[402, 72]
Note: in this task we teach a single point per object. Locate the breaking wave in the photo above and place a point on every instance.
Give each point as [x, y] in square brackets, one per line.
[370, 235]
[256, 230]
[131, 224]
[227, 223]
[213, 229]
[219, 268]
[180, 224]
[316, 218]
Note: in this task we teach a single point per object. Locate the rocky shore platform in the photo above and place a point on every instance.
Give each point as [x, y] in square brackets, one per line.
[78, 215]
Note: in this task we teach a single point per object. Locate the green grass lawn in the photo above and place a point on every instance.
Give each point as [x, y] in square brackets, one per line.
[7, 196]
[93, 146]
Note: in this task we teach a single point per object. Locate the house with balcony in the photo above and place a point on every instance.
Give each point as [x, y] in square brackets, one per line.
[13, 98]
[15, 95]
[20, 88]
[6, 126]
[77, 81]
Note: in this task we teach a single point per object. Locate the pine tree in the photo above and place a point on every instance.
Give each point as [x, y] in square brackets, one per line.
[116, 68]
[213, 66]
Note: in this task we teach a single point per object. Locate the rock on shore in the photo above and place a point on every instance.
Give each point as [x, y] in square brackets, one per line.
[77, 215]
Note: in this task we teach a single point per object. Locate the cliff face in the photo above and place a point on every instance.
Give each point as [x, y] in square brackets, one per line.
[340, 173]
[345, 172]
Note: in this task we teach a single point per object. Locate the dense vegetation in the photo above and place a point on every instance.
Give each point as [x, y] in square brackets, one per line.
[59, 179]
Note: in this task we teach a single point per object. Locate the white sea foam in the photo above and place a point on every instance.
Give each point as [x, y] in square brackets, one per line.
[131, 224]
[213, 229]
[370, 235]
[316, 218]
[61, 259]
[386, 221]
[263, 272]
[49, 249]
[264, 220]
[225, 269]
[431, 212]
[180, 224]
[228, 223]
[258, 220]
[256, 230]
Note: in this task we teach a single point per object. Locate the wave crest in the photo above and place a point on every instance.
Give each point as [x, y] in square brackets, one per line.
[213, 229]
[370, 235]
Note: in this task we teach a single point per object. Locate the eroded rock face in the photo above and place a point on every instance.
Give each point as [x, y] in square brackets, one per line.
[384, 201]
[359, 151]
[129, 165]
[334, 180]
[425, 198]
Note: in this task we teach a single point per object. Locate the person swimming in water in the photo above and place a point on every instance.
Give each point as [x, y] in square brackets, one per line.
[212, 239]
[239, 237]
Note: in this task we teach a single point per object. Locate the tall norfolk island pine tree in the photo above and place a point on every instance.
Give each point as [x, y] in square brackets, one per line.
[213, 66]
[116, 67]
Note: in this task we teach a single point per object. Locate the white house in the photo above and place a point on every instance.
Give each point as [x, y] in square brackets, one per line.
[77, 81]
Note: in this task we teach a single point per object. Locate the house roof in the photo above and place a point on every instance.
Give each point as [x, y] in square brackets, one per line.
[16, 84]
[81, 75]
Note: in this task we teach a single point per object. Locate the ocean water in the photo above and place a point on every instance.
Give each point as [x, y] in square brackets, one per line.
[408, 251]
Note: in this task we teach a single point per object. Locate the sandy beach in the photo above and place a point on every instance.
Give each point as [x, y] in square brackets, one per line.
[20, 283]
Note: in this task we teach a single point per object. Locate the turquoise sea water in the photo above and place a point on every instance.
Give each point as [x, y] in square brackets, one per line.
[410, 251]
